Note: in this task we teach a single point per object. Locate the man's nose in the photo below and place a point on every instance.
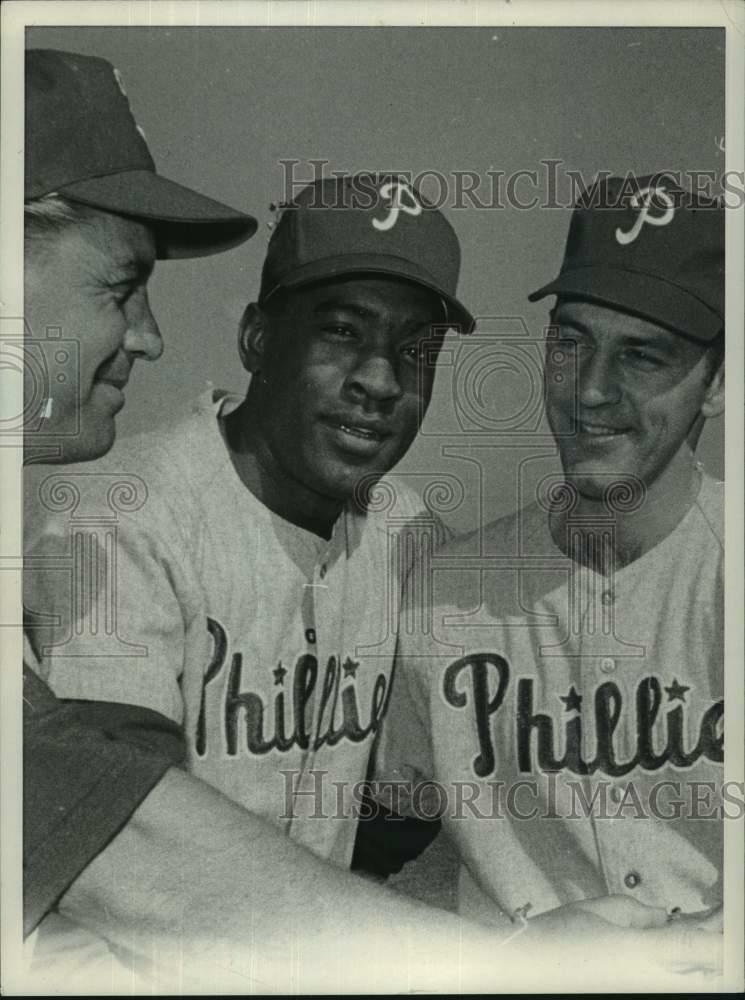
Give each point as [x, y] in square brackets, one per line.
[143, 334]
[599, 383]
[376, 377]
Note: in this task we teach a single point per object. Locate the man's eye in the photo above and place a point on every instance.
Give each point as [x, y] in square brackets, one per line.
[644, 359]
[338, 330]
[123, 292]
[415, 352]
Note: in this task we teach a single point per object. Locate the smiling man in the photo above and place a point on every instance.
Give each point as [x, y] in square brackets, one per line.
[97, 215]
[259, 575]
[577, 731]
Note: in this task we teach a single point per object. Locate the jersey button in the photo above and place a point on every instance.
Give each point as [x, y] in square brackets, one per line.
[608, 598]
[607, 664]
[632, 880]
[322, 572]
[616, 794]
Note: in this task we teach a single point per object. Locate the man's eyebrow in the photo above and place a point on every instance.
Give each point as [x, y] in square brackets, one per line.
[573, 324]
[364, 312]
[331, 305]
[634, 340]
[655, 341]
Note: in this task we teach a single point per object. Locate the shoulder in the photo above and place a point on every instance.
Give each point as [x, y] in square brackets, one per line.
[514, 534]
[187, 452]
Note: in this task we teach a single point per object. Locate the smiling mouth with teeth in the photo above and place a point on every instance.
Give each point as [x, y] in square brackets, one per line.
[361, 432]
[599, 430]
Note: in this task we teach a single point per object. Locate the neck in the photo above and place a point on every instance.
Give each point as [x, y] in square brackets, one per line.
[263, 475]
[635, 531]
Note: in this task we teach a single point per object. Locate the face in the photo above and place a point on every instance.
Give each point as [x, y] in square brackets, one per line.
[347, 378]
[624, 395]
[87, 285]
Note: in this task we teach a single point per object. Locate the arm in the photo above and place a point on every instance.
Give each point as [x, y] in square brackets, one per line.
[203, 895]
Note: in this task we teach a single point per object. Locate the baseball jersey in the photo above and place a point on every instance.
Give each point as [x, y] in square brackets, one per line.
[573, 722]
[270, 646]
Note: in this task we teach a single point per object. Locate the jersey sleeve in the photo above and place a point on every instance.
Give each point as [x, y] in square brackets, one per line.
[108, 600]
[87, 767]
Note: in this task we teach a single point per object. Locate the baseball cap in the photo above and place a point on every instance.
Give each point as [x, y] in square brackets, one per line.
[646, 246]
[82, 143]
[365, 224]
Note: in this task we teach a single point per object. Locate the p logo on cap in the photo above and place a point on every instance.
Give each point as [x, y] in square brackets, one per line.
[395, 191]
[365, 224]
[646, 246]
[644, 200]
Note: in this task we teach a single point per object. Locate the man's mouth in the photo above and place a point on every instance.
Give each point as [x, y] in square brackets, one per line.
[366, 433]
[366, 428]
[361, 437]
[600, 430]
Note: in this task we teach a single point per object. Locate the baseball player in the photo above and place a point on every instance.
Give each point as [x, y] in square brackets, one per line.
[565, 683]
[256, 574]
[97, 216]
[254, 590]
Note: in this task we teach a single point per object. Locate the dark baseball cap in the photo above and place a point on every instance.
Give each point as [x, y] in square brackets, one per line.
[646, 246]
[375, 224]
[82, 143]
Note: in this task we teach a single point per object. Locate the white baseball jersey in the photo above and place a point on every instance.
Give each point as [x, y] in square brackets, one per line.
[177, 590]
[573, 721]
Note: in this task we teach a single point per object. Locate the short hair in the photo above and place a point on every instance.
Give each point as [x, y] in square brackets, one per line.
[50, 215]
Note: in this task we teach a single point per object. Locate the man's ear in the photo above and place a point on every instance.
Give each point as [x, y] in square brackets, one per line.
[713, 404]
[251, 338]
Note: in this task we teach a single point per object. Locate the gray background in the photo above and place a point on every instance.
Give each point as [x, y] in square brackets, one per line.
[222, 107]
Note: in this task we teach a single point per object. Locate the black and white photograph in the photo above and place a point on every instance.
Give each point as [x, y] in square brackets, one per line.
[367, 480]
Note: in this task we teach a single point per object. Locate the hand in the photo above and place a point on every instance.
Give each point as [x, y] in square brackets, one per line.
[620, 937]
[708, 920]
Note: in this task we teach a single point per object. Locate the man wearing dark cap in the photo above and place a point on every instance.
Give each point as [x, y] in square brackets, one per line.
[583, 710]
[257, 573]
[261, 579]
[97, 215]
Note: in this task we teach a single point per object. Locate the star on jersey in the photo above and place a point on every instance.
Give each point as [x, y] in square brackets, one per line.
[676, 692]
[279, 674]
[572, 701]
[350, 667]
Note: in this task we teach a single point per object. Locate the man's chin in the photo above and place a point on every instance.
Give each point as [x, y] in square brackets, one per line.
[359, 486]
[588, 486]
[89, 444]
[591, 480]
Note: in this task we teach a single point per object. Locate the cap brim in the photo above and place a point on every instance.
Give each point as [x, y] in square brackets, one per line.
[186, 224]
[395, 267]
[640, 294]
